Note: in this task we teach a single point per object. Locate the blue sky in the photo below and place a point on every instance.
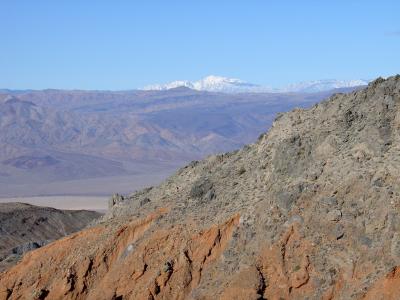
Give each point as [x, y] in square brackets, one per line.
[128, 44]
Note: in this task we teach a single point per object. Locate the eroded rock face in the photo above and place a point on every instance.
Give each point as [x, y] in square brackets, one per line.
[310, 211]
[122, 263]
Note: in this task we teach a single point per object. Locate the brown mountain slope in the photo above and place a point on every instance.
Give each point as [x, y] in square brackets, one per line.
[310, 211]
[25, 227]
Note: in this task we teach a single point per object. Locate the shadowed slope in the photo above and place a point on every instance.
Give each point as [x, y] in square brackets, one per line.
[25, 227]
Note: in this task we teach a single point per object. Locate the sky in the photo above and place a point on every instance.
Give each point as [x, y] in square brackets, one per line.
[119, 45]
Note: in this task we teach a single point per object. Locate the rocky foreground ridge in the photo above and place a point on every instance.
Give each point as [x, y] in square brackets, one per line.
[309, 211]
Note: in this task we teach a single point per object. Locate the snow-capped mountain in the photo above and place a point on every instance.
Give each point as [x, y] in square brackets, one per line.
[233, 85]
[321, 85]
[223, 84]
[212, 84]
[170, 85]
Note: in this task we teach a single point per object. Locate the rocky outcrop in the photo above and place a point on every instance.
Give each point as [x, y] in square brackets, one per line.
[309, 211]
[114, 200]
[161, 262]
[386, 287]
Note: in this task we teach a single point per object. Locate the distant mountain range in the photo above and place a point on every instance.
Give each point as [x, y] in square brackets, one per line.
[53, 136]
[233, 85]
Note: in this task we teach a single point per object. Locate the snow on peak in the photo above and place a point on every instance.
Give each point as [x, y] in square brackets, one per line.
[211, 83]
[322, 85]
[214, 83]
[223, 84]
[168, 86]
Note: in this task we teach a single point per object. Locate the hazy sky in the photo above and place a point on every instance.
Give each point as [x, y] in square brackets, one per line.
[128, 44]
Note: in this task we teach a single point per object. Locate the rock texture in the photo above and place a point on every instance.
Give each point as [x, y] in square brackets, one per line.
[25, 227]
[309, 211]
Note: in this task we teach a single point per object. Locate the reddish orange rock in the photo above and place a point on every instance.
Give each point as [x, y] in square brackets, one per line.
[98, 263]
[387, 288]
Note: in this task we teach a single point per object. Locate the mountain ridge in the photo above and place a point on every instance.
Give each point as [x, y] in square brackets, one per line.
[214, 83]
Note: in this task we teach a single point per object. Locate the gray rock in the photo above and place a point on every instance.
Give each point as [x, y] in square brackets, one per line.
[22, 249]
[338, 231]
[286, 198]
[200, 188]
[114, 200]
[329, 201]
[395, 246]
[334, 215]
[366, 241]
[144, 201]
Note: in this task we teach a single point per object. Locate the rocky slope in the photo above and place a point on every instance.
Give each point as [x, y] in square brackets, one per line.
[25, 227]
[309, 211]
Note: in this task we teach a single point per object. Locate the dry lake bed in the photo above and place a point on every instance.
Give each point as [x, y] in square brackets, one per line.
[98, 203]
